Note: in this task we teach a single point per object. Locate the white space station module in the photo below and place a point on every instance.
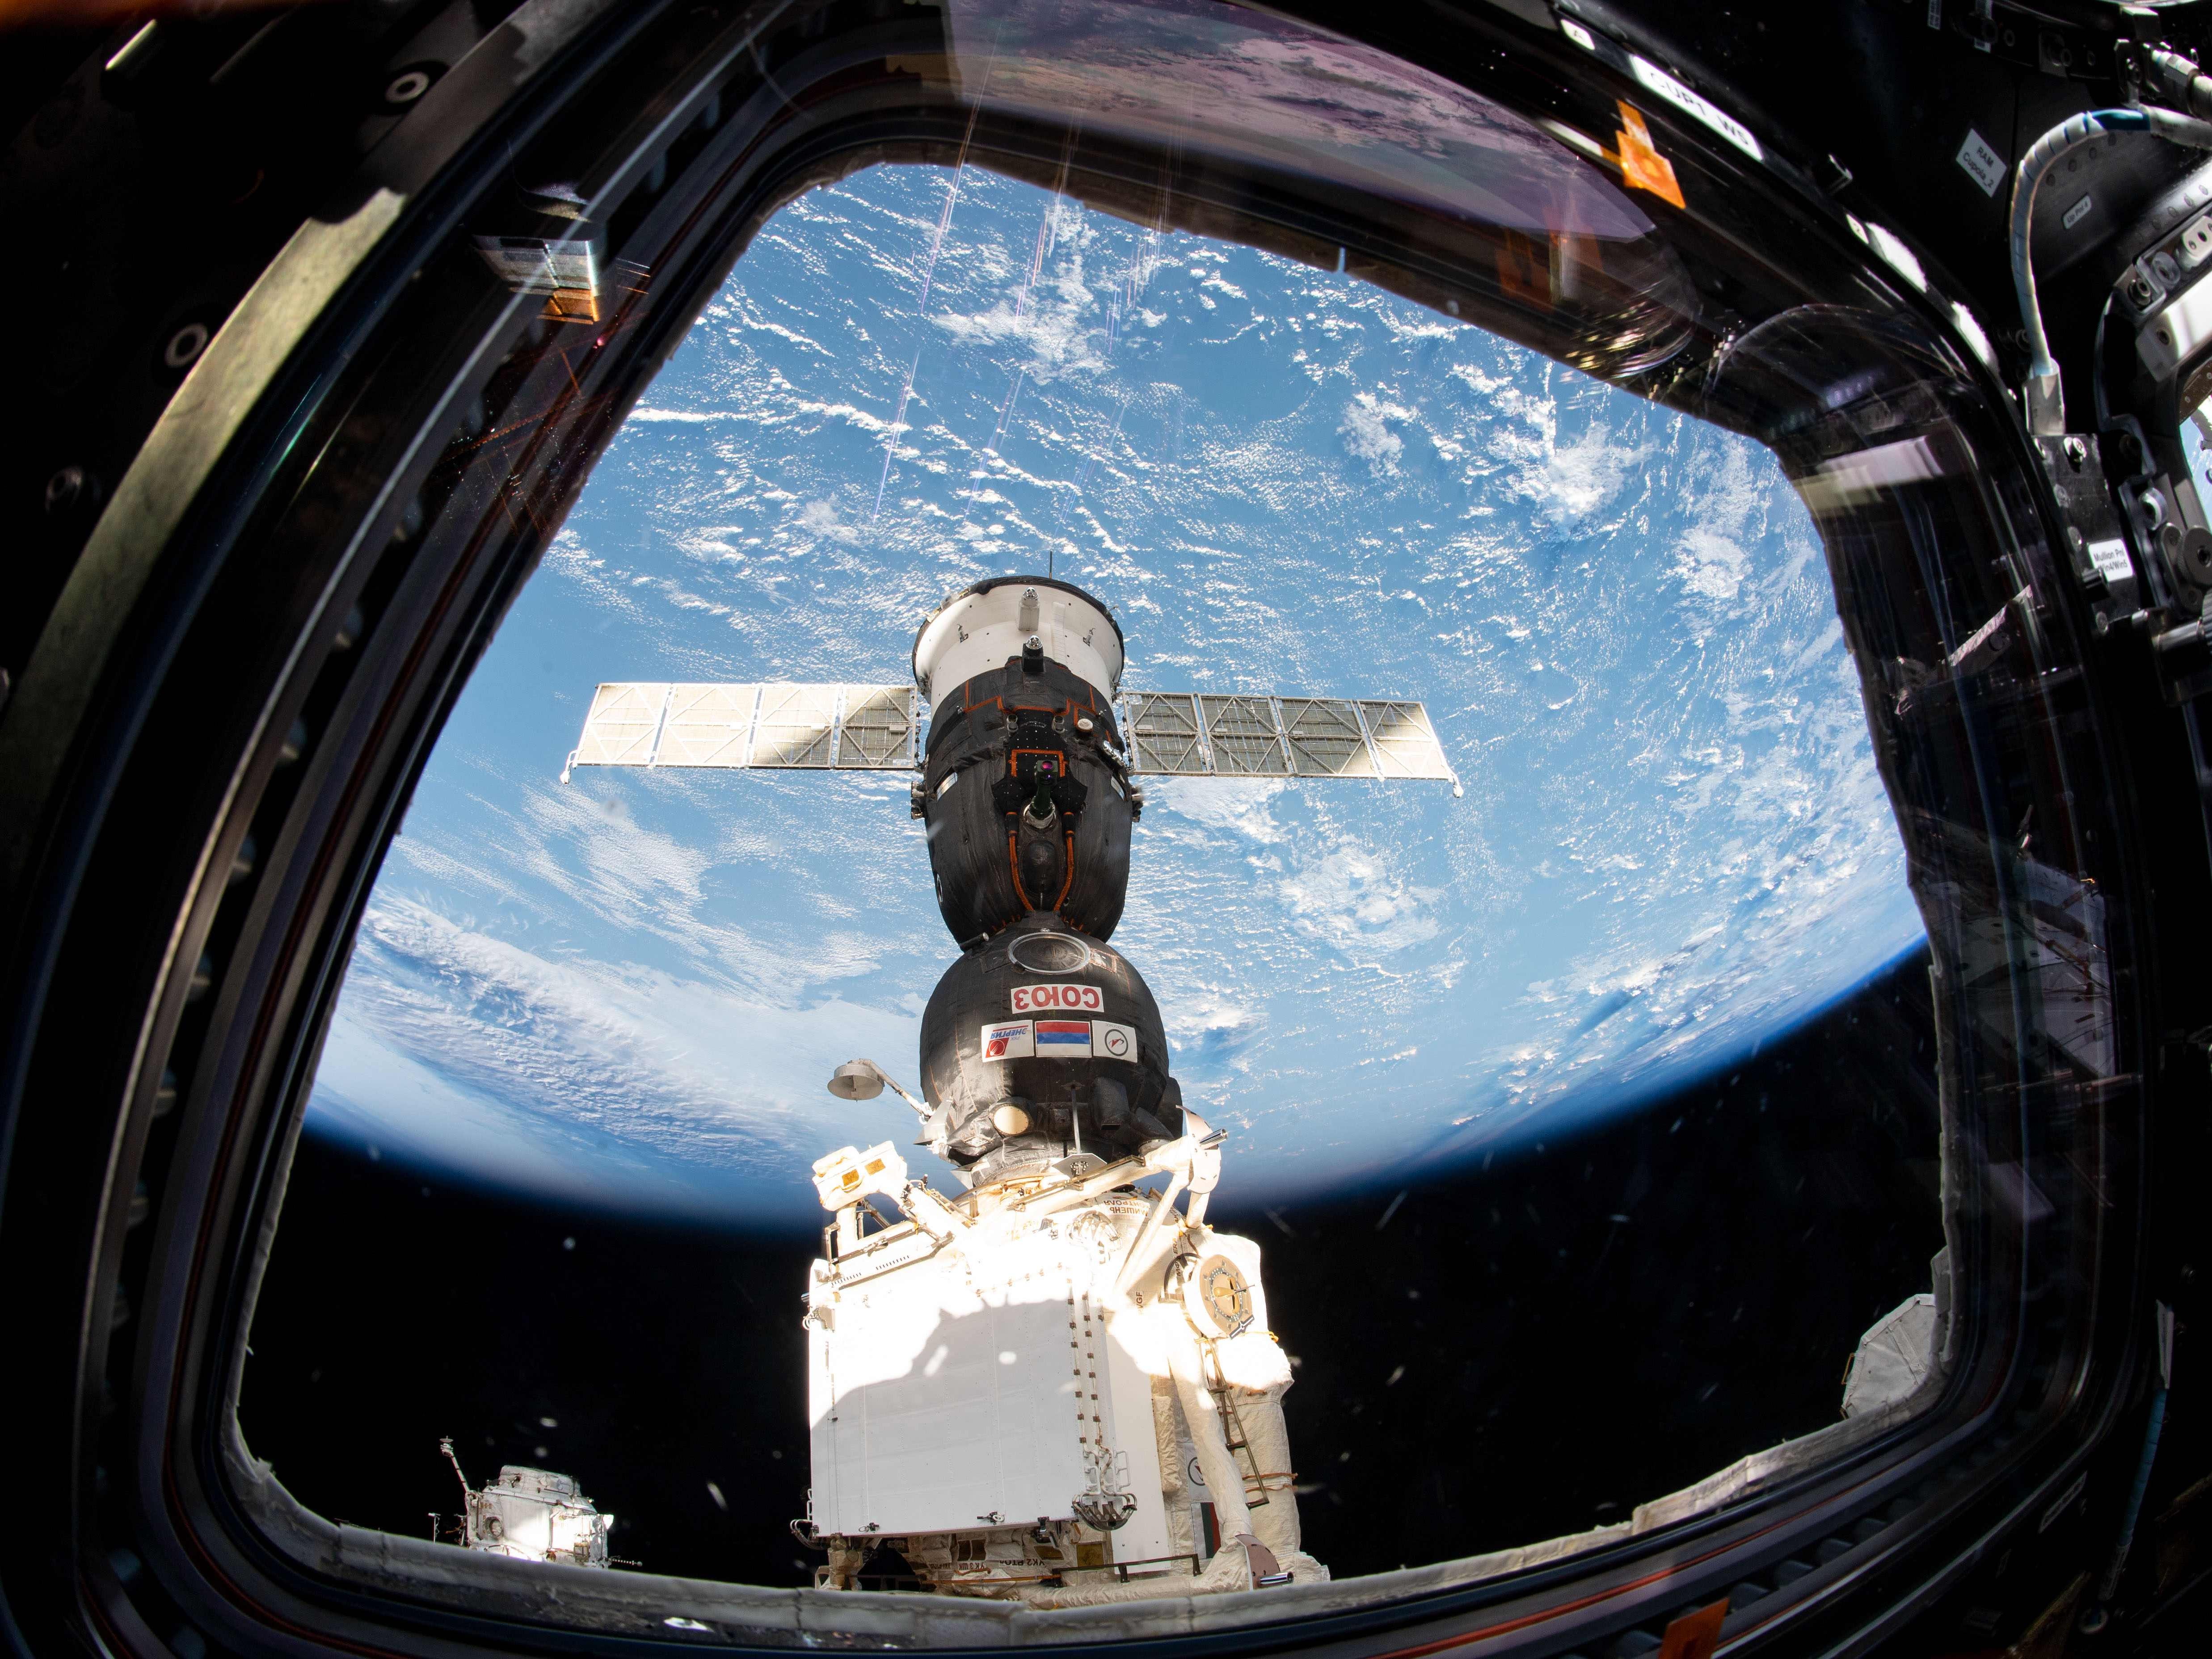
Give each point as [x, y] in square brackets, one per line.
[531, 1515]
[1057, 1384]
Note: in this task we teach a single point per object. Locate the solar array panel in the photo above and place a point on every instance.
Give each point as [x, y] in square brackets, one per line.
[623, 727]
[796, 725]
[1183, 734]
[846, 727]
[877, 729]
[1163, 730]
[1189, 734]
[705, 725]
[1241, 734]
[1326, 737]
[1404, 743]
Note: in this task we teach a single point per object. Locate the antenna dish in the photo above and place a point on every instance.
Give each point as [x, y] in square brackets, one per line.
[856, 1079]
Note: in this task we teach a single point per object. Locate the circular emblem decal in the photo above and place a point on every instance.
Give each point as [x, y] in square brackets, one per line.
[1216, 1298]
[1049, 954]
[1116, 1043]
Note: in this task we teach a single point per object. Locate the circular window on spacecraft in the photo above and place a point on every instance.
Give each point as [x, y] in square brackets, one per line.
[1049, 954]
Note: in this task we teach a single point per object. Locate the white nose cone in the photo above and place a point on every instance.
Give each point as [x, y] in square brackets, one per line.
[980, 627]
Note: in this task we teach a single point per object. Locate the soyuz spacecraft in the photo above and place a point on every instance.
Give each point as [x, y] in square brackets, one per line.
[1054, 1385]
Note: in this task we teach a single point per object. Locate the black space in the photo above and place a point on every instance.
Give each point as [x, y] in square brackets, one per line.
[1558, 1364]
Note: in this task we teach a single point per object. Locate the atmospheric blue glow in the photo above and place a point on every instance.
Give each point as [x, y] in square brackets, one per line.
[1673, 842]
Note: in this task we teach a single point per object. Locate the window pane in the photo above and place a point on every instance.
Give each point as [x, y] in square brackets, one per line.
[1527, 1070]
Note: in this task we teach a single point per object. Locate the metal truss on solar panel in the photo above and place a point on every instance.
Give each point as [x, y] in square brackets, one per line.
[876, 728]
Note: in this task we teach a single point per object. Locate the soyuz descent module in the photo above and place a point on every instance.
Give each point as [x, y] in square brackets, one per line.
[1055, 1384]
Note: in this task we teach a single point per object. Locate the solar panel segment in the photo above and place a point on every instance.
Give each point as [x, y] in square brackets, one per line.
[879, 728]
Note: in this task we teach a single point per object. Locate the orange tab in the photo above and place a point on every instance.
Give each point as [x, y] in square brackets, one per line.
[1641, 166]
[1694, 1635]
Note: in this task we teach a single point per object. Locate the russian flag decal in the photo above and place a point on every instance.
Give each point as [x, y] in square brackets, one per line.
[1063, 1039]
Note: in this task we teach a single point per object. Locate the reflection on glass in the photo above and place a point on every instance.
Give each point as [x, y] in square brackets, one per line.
[1284, 95]
[2197, 446]
[1670, 849]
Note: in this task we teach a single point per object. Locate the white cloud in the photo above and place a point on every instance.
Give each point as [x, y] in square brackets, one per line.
[1711, 564]
[1352, 901]
[1053, 327]
[819, 518]
[1574, 480]
[1367, 433]
[1240, 806]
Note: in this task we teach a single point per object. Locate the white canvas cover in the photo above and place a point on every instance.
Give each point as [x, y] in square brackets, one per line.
[1894, 1357]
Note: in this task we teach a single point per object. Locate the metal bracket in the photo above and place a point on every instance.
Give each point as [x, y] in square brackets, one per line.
[2097, 540]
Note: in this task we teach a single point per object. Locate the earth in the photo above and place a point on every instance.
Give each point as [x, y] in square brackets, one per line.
[1672, 844]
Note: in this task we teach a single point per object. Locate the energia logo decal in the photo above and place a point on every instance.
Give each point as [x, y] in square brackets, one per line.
[1057, 1039]
[1075, 999]
[1008, 1040]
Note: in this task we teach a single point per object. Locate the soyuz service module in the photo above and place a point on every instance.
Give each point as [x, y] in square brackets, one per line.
[1054, 1385]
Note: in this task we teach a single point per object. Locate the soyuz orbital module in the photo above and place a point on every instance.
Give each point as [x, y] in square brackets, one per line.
[1055, 1385]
